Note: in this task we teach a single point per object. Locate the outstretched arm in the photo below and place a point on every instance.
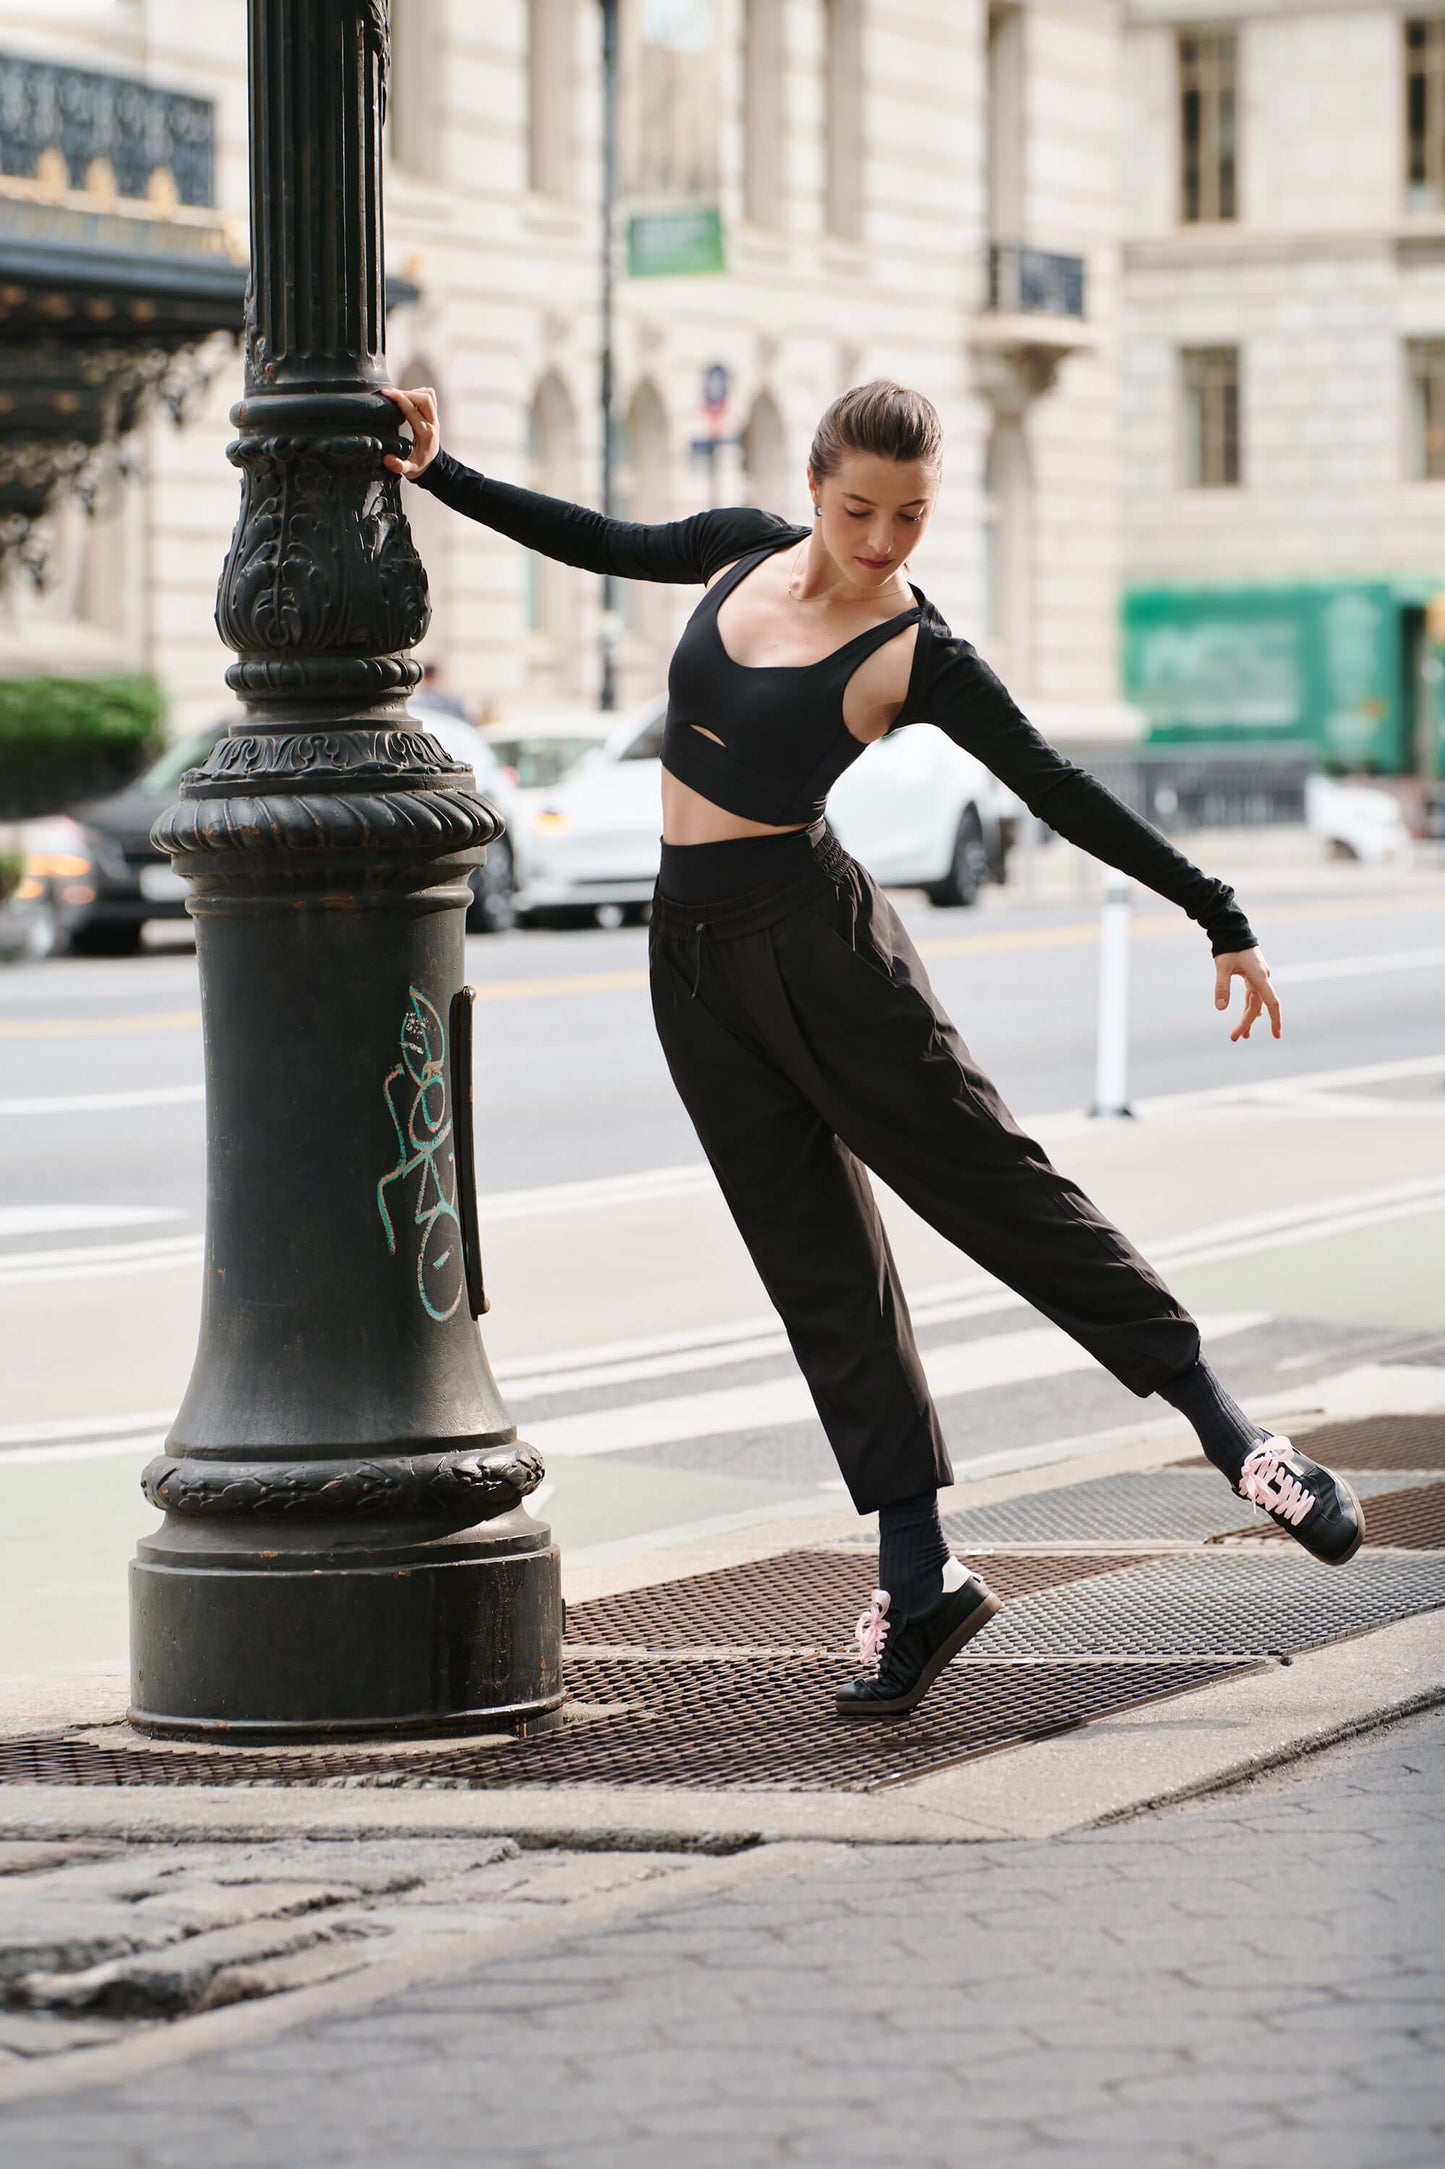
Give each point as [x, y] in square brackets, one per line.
[686, 551]
[971, 706]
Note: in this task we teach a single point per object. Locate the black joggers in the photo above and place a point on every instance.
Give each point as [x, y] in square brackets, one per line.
[804, 1038]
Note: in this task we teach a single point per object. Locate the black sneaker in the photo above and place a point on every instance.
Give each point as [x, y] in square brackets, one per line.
[1306, 1501]
[916, 1650]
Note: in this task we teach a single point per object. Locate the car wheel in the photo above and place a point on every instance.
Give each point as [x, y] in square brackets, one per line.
[106, 937]
[610, 915]
[968, 869]
[493, 908]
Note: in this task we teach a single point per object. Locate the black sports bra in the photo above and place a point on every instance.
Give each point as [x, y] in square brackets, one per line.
[784, 741]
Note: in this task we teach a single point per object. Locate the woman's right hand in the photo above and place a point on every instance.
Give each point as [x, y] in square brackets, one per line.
[419, 410]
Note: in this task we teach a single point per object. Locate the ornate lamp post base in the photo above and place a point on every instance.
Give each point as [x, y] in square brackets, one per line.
[345, 1549]
[335, 1636]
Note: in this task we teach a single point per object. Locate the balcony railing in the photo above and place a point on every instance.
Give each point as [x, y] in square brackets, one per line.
[1033, 282]
[141, 132]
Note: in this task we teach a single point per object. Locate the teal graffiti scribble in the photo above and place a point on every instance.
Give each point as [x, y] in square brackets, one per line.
[424, 1149]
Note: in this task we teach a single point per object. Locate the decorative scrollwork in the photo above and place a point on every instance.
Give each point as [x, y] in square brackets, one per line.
[425, 824]
[322, 560]
[338, 753]
[481, 1482]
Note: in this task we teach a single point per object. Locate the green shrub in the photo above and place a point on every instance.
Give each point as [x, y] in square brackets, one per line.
[11, 868]
[65, 739]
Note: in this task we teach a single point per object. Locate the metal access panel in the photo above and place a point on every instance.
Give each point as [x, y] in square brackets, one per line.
[798, 1600]
[1250, 1602]
[689, 1723]
[1165, 1506]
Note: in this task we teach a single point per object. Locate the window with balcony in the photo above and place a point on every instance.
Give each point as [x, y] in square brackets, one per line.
[1208, 126]
[1210, 383]
[1427, 410]
[1425, 114]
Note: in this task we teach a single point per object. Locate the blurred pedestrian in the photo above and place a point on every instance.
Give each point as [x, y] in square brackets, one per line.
[798, 1021]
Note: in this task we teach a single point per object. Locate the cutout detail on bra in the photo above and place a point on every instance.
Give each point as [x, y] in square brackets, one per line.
[709, 734]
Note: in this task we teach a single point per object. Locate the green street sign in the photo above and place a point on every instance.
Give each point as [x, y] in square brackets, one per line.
[675, 244]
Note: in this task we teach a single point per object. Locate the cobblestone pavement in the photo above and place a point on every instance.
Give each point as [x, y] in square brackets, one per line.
[1256, 1982]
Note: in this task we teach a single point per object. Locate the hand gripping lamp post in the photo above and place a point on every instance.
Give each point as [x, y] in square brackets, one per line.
[345, 1548]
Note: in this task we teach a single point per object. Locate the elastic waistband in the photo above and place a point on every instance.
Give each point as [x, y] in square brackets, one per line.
[753, 909]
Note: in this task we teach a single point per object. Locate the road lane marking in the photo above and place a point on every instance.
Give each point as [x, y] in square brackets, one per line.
[1357, 967]
[78, 1427]
[99, 1103]
[1005, 1359]
[98, 1261]
[160, 1020]
[68, 1219]
[632, 979]
[109, 1449]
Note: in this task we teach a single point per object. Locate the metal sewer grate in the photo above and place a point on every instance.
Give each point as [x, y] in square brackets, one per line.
[1410, 1520]
[757, 1725]
[1368, 1442]
[1247, 1602]
[800, 1600]
[1179, 1506]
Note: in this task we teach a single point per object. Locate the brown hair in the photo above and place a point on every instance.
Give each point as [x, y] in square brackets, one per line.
[880, 417]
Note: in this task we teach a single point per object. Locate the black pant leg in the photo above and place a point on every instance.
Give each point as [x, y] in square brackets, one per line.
[805, 1210]
[877, 1052]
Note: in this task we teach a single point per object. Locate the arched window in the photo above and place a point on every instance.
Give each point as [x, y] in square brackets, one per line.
[416, 127]
[552, 458]
[644, 493]
[1007, 549]
[551, 170]
[765, 456]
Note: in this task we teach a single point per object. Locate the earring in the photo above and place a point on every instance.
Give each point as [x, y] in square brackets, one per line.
[817, 508]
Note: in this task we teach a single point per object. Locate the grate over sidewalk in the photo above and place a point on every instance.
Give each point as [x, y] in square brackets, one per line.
[725, 1680]
[798, 1600]
[755, 1725]
[1368, 1442]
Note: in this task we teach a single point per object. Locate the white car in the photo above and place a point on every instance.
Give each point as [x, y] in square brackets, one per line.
[494, 885]
[540, 751]
[917, 810]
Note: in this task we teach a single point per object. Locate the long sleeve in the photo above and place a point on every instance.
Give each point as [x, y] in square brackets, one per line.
[955, 689]
[687, 552]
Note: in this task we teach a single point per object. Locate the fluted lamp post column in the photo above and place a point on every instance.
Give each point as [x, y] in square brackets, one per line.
[345, 1548]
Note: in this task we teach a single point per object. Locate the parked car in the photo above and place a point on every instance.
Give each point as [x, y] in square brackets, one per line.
[541, 751]
[92, 878]
[917, 810]
[1358, 820]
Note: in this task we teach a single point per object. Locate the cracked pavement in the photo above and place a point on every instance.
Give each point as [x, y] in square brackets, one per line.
[1254, 1981]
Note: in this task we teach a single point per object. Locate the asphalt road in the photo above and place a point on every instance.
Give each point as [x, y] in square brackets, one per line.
[628, 1328]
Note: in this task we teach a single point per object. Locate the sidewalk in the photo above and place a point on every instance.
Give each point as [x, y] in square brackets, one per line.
[898, 1957]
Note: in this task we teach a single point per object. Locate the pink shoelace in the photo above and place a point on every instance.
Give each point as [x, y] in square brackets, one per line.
[1266, 1480]
[872, 1628]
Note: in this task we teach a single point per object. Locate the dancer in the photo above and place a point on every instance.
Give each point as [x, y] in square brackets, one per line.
[799, 1024]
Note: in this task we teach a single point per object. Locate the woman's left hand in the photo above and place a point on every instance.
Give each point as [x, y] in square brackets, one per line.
[1259, 994]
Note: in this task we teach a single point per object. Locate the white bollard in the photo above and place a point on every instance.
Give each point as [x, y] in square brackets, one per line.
[1111, 1060]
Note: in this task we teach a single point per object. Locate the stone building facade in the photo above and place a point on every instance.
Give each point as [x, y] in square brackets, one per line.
[921, 188]
[1283, 378]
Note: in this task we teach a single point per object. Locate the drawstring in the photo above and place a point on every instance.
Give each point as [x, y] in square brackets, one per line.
[699, 928]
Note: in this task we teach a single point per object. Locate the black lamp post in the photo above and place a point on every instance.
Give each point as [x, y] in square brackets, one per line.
[607, 693]
[345, 1549]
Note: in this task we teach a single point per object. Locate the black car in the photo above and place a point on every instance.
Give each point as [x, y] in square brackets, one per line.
[93, 877]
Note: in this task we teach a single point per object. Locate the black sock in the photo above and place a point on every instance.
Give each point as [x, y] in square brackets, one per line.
[912, 1553]
[1225, 1432]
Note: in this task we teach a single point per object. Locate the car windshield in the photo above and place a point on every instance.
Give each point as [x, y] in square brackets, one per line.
[540, 762]
[166, 773]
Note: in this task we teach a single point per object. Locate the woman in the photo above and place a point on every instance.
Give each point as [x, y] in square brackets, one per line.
[799, 1024]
